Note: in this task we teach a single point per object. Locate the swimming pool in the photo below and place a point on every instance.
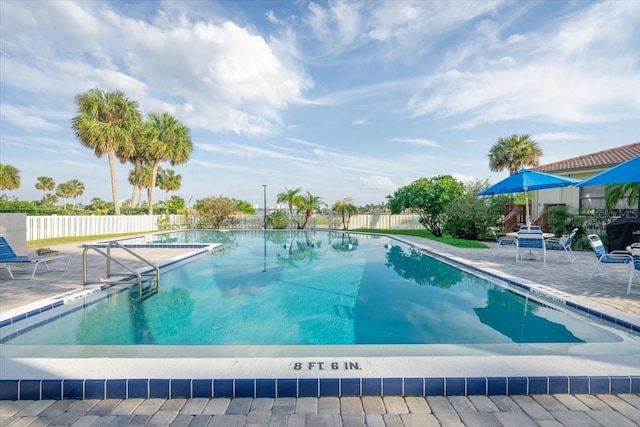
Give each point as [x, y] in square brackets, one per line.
[286, 290]
[602, 358]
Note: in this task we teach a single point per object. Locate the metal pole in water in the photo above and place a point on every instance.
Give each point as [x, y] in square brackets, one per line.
[264, 187]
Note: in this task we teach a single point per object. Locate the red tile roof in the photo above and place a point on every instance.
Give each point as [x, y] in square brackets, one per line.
[601, 159]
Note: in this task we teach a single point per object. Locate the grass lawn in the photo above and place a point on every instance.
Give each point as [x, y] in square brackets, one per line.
[459, 243]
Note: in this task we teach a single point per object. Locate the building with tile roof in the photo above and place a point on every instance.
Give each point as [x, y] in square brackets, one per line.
[582, 167]
[593, 162]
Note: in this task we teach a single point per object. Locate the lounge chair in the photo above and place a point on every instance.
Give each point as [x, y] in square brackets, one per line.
[503, 242]
[9, 259]
[604, 257]
[563, 243]
[635, 255]
[531, 240]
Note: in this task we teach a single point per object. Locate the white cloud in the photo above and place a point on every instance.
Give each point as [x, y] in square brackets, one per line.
[558, 136]
[25, 119]
[377, 182]
[466, 179]
[230, 77]
[505, 61]
[548, 77]
[271, 17]
[418, 141]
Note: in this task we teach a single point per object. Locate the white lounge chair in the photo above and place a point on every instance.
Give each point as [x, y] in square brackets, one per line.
[635, 255]
[563, 243]
[604, 257]
[9, 259]
[503, 242]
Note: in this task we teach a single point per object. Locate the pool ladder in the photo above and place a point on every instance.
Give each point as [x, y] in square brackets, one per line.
[148, 281]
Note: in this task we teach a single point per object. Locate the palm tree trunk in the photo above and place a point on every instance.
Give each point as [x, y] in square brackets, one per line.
[114, 184]
[136, 184]
[154, 172]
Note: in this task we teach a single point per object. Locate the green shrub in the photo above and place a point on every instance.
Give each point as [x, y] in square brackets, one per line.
[562, 221]
[216, 212]
[278, 220]
[469, 217]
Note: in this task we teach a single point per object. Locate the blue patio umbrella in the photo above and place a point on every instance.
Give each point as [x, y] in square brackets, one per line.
[627, 172]
[527, 180]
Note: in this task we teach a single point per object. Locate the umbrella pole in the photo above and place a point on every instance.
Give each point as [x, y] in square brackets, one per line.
[526, 208]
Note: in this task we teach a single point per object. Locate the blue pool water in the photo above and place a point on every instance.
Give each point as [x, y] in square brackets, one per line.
[314, 288]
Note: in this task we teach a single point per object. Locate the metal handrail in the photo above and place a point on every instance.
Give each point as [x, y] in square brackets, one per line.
[110, 258]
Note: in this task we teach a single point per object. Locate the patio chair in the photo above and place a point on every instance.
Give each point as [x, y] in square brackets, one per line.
[503, 242]
[563, 243]
[9, 259]
[635, 255]
[604, 257]
[529, 241]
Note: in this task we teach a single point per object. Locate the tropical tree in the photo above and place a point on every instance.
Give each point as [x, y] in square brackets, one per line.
[309, 204]
[97, 204]
[62, 191]
[49, 199]
[345, 207]
[140, 181]
[244, 207]
[166, 139]
[215, 212]
[45, 184]
[75, 189]
[428, 198]
[9, 177]
[613, 193]
[168, 181]
[137, 158]
[108, 123]
[291, 198]
[513, 153]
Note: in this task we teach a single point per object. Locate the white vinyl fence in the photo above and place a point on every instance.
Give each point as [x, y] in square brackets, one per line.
[47, 227]
[382, 221]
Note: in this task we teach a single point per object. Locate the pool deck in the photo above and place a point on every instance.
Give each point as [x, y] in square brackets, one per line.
[606, 293]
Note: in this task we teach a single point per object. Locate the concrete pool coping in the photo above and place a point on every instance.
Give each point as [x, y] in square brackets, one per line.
[249, 375]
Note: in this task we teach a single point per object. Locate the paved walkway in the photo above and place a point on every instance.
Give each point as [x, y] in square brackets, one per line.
[607, 291]
[521, 411]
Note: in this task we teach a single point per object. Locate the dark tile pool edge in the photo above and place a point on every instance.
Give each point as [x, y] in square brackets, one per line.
[179, 388]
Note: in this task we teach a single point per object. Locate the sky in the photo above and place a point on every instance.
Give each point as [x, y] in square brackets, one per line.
[341, 99]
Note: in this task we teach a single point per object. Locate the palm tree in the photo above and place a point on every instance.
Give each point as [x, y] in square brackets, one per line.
[49, 199]
[166, 139]
[62, 191]
[613, 193]
[291, 198]
[309, 204]
[107, 122]
[513, 153]
[45, 184]
[75, 190]
[9, 177]
[134, 177]
[142, 180]
[345, 207]
[168, 181]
